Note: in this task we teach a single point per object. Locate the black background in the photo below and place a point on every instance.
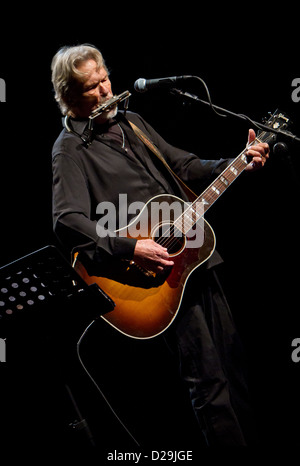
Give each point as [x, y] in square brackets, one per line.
[248, 60]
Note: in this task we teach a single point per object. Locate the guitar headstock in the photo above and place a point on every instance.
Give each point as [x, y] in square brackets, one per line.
[277, 121]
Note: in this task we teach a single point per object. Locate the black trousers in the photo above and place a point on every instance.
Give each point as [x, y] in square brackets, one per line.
[211, 362]
[140, 378]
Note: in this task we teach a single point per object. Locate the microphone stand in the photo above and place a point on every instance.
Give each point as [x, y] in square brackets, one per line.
[280, 148]
[224, 112]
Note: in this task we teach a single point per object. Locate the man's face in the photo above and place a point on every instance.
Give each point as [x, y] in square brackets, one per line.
[92, 90]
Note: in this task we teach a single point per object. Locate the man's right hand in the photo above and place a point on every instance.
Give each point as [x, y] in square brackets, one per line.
[152, 256]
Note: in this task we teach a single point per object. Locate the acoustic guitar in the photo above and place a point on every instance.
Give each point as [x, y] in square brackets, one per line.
[146, 303]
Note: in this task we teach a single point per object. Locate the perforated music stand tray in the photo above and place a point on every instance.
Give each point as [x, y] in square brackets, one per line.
[44, 279]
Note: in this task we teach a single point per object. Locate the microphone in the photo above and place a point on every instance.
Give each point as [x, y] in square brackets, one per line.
[143, 85]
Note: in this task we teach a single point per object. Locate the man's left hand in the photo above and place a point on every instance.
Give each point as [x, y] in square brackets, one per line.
[258, 152]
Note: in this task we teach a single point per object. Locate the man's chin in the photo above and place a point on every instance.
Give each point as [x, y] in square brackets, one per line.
[107, 115]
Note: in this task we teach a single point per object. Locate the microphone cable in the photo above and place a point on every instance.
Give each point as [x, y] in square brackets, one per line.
[209, 98]
[97, 386]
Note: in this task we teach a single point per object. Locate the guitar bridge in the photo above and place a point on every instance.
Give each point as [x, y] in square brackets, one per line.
[147, 273]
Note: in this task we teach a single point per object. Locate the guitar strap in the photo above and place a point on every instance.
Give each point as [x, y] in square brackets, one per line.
[142, 136]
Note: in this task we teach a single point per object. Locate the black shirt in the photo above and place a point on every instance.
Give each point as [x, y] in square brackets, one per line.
[116, 162]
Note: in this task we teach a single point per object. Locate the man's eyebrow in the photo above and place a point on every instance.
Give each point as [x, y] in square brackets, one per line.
[91, 84]
[95, 83]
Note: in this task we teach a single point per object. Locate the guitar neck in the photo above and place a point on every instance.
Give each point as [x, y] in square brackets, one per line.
[230, 174]
[223, 181]
[197, 209]
[208, 197]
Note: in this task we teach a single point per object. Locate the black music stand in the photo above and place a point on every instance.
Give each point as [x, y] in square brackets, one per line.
[44, 308]
[44, 279]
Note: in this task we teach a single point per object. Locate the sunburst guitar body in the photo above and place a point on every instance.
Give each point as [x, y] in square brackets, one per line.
[147, 303]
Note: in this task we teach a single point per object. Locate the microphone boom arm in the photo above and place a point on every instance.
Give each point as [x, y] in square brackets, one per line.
[260, 126]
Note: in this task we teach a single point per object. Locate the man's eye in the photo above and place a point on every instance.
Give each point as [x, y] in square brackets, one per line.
[90, 89]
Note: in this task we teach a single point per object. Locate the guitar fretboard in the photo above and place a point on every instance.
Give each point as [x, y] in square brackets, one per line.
[194, 212]
[198, 208]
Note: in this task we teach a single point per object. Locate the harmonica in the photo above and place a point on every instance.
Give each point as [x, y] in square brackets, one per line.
[111, 102]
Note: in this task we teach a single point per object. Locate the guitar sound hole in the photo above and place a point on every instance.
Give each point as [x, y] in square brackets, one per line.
[168, 236]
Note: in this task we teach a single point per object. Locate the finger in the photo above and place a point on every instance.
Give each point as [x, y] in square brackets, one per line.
[254, 153]
[258, 151]
[161, 254]
[251, 136]
[161, 257]
[161, 267]
[262, 148]
[166, 263]
[256, 163]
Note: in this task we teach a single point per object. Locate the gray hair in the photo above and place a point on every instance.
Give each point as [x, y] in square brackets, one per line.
[64, 71]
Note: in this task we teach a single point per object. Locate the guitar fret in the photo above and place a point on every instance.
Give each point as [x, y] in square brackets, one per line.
[244, 159]
[218, 187]
[234, 170]
[224, 180]
[191, 216]
[186, 222]
[188, 218]
[215, 190]
[196, 215]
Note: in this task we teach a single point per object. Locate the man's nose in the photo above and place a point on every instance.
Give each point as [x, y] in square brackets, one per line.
[103, 89]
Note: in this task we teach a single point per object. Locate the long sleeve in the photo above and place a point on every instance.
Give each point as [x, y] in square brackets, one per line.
[86, 177]
[74, 220]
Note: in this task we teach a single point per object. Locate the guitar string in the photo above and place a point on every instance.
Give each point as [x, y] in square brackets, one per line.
[185, 217]
[210, 198]
[213, 196]
[169, 240]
